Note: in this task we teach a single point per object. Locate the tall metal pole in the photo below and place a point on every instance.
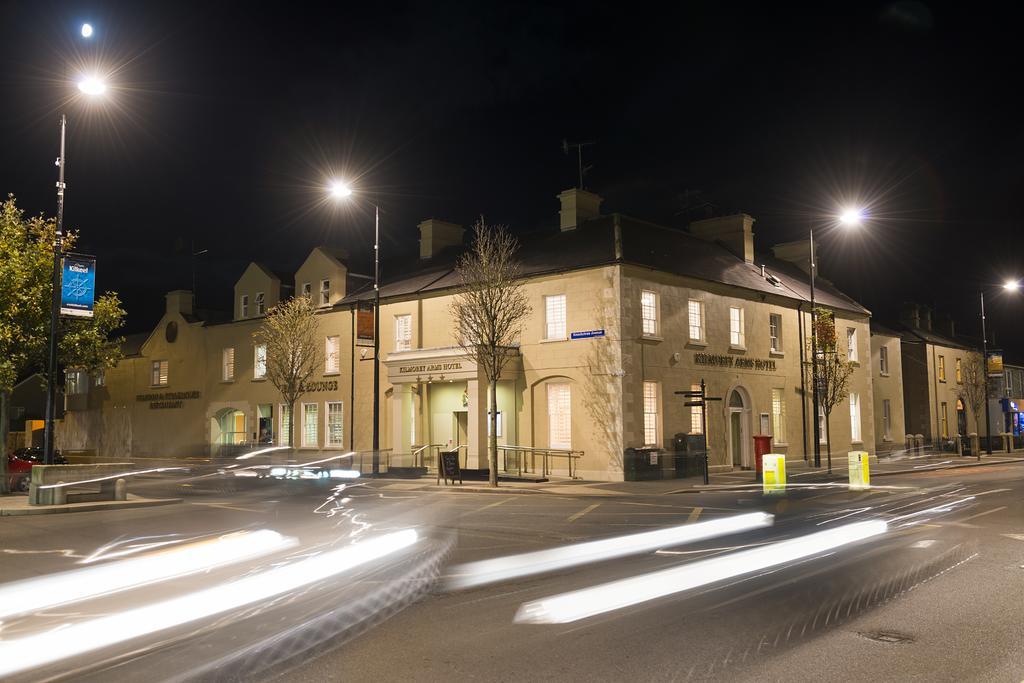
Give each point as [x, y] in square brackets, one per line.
[984, 366]
[58, 245]
[376, 339]
[814, 359]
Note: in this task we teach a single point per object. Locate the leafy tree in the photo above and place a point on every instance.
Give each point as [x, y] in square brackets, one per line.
[488, 313]
[973, 389]
[26, 269]
[834, 372]
[290, 334]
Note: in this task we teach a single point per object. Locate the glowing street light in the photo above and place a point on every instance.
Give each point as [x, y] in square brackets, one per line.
[87, 30]
[92, 85]
[340, 190]
[1012, 285]
[852, 217]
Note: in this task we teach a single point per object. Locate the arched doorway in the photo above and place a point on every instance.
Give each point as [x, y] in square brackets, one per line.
[961, 418]
[227, 427]
[738, 408]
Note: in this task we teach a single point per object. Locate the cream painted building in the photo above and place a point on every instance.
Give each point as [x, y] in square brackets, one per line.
[887, 375]
[625, 314]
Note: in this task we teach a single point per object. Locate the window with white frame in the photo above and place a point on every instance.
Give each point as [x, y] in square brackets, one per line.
[159, 373]
[775, 332]
[403, 332]
[259, 362]
[883, 359]
[261, 303]
[945, 420]
[335, 423]
[886, 420]
[76, 382]
[227, 364]
[942, 368]
[307, 289]
[559, 416]
[309, 425]
[854, 417]
[325, 292]
[958, 370]
[737, 337]
[649, 312]
[696, 417]
[650, 413]
[695, 314]
[286, 425]
[331, 360]
[554, 316]
[778, 416]
[851, 344]
[243, 306]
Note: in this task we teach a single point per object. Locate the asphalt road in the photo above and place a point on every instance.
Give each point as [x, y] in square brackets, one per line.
[937, 597]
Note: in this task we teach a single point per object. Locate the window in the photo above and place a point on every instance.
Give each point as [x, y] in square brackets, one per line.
[307, 289]
[942, 368]
[696, 323]
[559, 416]
[959, 372]
[554, 317]
[883, 360]
[736, 336]
[309, 425]
[75, 381]
[778, 416]
[403, 332]
[259, 363]
[335, 423]
[886, 420]
[650, 413]
[696, 417]
[649, 312]
[851, 344]
[854, 417]
[945, 420]
[159, 378]
[243, 306]
[261, 307]
[325, 292]
[228, 364]
[775, 332]
[286, 425]
[331, 363]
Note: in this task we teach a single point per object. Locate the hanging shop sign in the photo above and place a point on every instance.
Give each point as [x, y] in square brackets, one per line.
[738, 362]
[364, 326]
[995, 364]
[78, 285]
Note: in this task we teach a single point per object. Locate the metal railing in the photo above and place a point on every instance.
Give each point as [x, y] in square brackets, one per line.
[524, 459]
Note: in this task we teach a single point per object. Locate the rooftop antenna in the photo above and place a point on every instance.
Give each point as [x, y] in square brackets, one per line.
[195, 276]
[566, 146]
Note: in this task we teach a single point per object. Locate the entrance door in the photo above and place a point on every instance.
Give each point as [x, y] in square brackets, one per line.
[961, 418]
[736, 432]
[739, 430]
[461, 428]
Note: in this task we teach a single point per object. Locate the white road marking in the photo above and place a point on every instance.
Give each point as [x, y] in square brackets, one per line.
[985, 493]
[927, 543]
[228, 507]
[574, 517]
[982, 514]
[694, 515]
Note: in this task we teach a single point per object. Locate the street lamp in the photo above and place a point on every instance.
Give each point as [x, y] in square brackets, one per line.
[1010, 286]
[91, 86]
[851, 217]
[340, 190]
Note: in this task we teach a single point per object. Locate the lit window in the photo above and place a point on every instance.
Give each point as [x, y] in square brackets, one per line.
[286, 425]
[775, 332]
[854, 417]
[959, 372]
[554, 316]
[945, 421]
[736, 336]
[851, 344]
[650, 413]
[261, 306]
[559, 416]
[259, 365]
[942, 368]
[325, 292]
[331, 362]
[403, 332]
[778, 416]
[335, 423]
[696, 322]
[883, 359]
[309, 424]
[307, 289]
[696, 417]
[649, 312]
[886, 420]
[228, 364]
[243, 306]
[75, 381]
[159, 375]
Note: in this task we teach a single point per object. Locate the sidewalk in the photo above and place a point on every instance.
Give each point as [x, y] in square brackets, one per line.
[16, 505]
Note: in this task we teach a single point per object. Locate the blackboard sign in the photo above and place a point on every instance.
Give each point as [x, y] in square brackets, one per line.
[448, 466]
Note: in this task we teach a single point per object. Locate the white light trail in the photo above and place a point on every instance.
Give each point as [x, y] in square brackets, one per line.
[131, 473]
[42, 592]
[66, 641]
[587, 602]
[514, 566]
[261, 451]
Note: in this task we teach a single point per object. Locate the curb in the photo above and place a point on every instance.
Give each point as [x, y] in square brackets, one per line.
[84, 507]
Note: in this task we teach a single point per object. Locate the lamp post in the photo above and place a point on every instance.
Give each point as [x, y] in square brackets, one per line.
[1011, 286]
[340, 190]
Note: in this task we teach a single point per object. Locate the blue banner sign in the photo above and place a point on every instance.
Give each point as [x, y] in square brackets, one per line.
[587, 334]
[78, 290]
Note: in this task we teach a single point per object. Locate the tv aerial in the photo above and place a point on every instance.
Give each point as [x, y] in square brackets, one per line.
[578, 146]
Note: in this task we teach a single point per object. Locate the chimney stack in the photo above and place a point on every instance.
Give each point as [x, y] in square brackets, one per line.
[734, 232]
[179, 301]
[911, 316]
[577, 206]
[926, 318]
[798, 253]
[436, 235]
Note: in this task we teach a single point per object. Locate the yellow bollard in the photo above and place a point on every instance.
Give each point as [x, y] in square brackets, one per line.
[860, 470]
[773, 470]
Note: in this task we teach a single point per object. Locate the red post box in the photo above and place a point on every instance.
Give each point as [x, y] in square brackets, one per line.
[762, 445]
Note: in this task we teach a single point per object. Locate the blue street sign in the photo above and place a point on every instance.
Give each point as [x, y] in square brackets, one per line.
[587, 334]
[78, 290]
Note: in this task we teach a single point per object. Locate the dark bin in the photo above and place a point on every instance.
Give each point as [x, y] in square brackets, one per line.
[642, 464]
[689, 455]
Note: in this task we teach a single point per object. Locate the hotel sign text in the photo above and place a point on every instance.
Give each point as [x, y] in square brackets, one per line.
[738, 362]
[429, 367]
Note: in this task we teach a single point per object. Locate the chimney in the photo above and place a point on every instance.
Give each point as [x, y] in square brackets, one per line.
[798, 253]
[911, 316]
[435, 235]
[926, 318]
[577, 206]
[735, 232]
[179, 301]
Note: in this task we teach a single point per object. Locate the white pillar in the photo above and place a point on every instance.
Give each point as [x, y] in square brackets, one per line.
[401, 396]
[477, 424]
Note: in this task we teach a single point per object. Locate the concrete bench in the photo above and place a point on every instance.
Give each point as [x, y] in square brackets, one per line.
[59, 484]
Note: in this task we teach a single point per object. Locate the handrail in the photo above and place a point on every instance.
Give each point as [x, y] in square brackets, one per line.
[545, 453]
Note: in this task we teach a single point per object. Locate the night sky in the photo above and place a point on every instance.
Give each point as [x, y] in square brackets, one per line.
[225, 121]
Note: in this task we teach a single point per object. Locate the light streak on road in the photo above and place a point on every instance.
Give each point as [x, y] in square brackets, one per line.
[66, 641]
[587, 602]
[515, 566]
[261, 451]
[132, 473]
[32, 595]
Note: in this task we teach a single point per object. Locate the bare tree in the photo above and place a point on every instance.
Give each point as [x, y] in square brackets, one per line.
[488, 312]
[973, 389]
[293, 350]
[834, 372]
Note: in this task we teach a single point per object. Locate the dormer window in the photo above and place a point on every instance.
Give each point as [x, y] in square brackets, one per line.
[261, 306]
[307, 289]
[243, 306]
[325, 292]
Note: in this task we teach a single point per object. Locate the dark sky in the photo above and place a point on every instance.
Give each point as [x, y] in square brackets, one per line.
[225, 120]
